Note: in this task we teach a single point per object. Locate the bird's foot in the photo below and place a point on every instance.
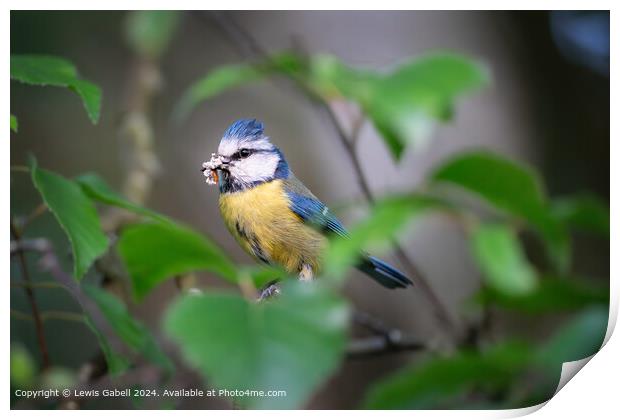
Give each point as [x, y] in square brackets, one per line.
[270, 291]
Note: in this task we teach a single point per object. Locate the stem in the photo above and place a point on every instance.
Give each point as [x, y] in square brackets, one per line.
[38, 323]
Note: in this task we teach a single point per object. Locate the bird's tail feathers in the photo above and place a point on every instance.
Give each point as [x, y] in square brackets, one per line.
[384, 273]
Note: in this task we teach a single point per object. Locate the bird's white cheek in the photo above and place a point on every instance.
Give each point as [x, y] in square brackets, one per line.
[256, 168]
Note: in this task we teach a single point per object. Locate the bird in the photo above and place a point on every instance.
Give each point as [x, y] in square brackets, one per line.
[272, 214]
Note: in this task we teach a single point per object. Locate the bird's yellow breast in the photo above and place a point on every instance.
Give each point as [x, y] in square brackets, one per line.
[262, 222]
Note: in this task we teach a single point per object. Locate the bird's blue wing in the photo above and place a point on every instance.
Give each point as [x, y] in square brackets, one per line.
[310, 209]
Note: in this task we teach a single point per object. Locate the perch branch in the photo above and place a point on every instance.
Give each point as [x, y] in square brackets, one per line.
[38, 322]
[248, 46]
[386, 340]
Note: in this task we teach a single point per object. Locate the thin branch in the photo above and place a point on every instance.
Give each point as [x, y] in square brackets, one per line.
[49, 262]
[49, 316]
[379, 345]
[248, 46]
[387, 340]
[38, 323]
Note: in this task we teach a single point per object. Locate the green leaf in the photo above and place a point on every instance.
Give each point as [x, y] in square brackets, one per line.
[437, 382]
[581, 337]
[292, 343]
[377, 232]
[405, 104]
[132, 332]
[149, 31]
[551, 295]
[154, 252]
[510, 187]
[584, 212]
[14, 125]
[97, 189]
[116, 363]
[23, 367]
[76, 214]
[53, 71]
[228, 77]
[502, 261]
[214, 83]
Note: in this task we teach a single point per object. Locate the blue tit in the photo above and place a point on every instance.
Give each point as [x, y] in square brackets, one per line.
[271, 214]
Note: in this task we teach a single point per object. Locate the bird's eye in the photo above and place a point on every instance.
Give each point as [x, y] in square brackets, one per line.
[243, 153]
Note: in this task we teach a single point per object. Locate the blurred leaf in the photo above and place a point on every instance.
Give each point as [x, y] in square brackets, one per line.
[14, 125]
[76, 215]
[292, 343]
[406, 104]
[502, 261]
[132, 332]
[551, 295]
[581, 337]
[586, 212]
[513, 188]
[260, 275]
[438, 381]
[116, 363]
[214, 83]
[23, 367]
[228, 77]
[97, 189]
[403, 104]
[149, 31]
[154, 252]
[58, 377]
[53, 71]
[376, 233]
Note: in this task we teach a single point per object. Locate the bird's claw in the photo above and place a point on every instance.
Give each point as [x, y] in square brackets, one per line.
[269, 292]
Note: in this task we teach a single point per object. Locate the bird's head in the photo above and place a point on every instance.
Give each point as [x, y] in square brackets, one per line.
[246, 158]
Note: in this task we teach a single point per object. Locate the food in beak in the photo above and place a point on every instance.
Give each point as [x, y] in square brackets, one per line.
[209, 169]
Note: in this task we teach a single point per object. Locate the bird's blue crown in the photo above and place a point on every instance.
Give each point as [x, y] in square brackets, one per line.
[245, 129]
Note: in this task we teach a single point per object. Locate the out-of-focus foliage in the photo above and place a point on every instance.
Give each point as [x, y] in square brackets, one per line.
[76, 214]
[378, 231]
[441, 382]
[154, 252]
[14, 124]
[405, 103]
[224, 78]
[149, 31]
[583, 212]
[97, 189]
[292, 343]
[23, 367]
[510, 187]
[402, 104]
[552, 294]
[53, 71]
[501, 259]
[116, 363]
[132, 332]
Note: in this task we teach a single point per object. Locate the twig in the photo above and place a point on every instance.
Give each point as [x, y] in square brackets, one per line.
[38, 323]
[378, 345]
[248, 47]
[49, 262]
[387, 340]
[49, 315]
